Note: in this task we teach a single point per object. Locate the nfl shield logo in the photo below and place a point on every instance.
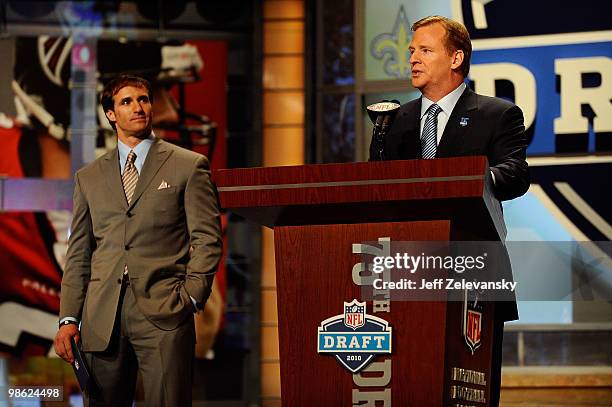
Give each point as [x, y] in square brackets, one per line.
[473, 329]
[472, 321]
[354, 314]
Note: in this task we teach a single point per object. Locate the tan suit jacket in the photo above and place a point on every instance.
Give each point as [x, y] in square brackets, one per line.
[152, 235]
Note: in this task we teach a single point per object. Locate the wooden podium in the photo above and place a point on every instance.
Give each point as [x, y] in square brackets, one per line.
[319, 212]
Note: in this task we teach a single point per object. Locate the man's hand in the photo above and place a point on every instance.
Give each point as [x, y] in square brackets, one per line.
[62, 341]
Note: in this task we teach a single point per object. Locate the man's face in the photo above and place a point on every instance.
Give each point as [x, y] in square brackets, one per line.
[132, 112]
[430, 61]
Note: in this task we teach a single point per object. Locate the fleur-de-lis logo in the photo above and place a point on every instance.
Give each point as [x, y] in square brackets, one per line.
[392, 47]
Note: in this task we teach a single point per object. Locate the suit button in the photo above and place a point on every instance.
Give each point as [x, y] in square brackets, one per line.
[127, 247]
[129, 214]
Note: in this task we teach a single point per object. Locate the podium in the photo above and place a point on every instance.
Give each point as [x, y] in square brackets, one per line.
[320, 214]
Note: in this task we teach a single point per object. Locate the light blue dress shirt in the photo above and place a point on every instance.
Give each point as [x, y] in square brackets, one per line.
[141, 150]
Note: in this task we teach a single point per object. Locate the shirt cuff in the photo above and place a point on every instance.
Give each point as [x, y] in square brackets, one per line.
[69, 319]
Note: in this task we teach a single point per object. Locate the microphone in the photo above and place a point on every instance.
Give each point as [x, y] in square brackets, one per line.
[382, 115]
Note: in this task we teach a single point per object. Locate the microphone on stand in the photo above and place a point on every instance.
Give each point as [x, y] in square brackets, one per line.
[382, 115]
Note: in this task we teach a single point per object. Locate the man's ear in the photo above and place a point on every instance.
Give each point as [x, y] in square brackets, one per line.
[457, 60]
[110, 115]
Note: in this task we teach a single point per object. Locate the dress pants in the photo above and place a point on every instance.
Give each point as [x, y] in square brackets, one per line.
[164, 359]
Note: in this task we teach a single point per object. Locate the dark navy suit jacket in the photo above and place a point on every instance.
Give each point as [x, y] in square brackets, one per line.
[491, 126]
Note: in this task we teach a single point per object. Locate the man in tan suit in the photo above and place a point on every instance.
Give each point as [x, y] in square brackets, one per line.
[144, 248]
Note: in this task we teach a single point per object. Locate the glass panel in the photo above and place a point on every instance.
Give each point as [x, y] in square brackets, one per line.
[338, 136]
[510, 349]
[338, 42]
[568, 348]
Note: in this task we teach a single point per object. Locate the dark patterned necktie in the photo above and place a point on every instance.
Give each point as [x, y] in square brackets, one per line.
[130, 176]
[429, 137]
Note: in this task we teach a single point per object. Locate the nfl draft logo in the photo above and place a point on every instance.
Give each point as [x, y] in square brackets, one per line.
[472, 321]
[354, 337]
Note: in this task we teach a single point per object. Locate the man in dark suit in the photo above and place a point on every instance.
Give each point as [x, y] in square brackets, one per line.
[465, 123]
[450, 120]
[144, 248]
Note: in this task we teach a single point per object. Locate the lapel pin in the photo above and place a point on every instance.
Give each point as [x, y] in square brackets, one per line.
[464, 121]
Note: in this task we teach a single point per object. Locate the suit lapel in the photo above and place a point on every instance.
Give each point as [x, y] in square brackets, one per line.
[458, 125]
[411, 129]
[111, 173]
[156, 157]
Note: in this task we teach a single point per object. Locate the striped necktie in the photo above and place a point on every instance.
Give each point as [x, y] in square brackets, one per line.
[130, 176]
[429, 137]
[129, 179]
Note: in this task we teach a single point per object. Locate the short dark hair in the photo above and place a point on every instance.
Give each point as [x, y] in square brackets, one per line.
[118, 83]
[457, 38]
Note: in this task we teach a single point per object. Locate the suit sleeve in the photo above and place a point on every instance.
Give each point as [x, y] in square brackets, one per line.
[78, 258]
[508, 153]
[203, 223]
